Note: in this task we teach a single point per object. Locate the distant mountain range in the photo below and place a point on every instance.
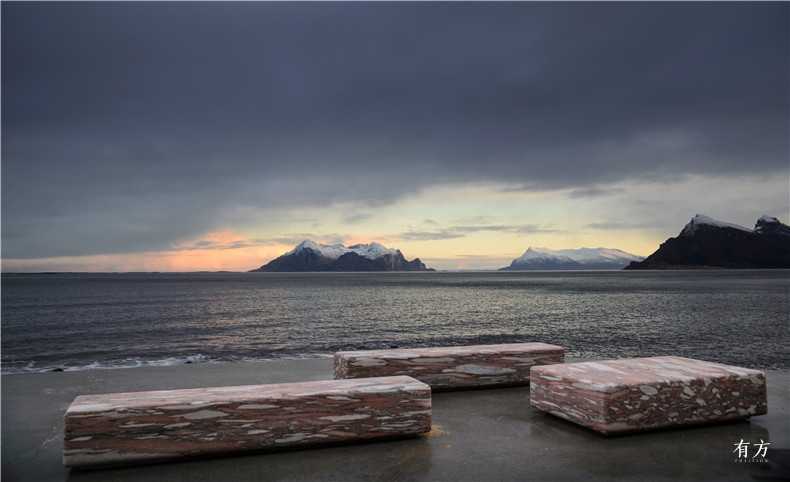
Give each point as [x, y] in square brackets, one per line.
[708, 243]
[311, 256]
[702, 243]
[572, 259]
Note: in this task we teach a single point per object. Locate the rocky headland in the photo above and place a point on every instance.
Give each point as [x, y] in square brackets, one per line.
[707, 243]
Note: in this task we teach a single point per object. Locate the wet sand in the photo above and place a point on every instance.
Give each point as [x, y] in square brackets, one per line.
[477, 435]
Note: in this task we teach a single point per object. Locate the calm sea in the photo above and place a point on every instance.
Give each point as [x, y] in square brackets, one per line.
[90, 321]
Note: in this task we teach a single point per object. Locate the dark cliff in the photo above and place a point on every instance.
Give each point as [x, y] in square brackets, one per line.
[705, 243]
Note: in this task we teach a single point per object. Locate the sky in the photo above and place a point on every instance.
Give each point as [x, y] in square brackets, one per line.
[181, 136]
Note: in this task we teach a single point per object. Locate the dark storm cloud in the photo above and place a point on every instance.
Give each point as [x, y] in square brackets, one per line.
[132, 126]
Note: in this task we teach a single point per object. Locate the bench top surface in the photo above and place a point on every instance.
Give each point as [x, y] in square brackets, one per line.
[247, 394]
[515, 348]
[610, 375]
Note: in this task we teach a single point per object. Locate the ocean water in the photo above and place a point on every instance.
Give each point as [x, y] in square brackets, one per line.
[95, 321]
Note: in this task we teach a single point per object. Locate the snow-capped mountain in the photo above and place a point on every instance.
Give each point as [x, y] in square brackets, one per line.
[572, 259]
[311, 256]
[701, 221]
[769, 225]
[707, 243]
[371, 251]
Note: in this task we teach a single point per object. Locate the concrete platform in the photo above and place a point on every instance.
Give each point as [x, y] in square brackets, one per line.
[477, 435]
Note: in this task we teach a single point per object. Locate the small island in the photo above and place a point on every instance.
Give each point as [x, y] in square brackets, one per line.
[311, 256]
[572, 259]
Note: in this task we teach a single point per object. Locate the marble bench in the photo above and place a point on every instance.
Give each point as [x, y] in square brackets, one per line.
[452, 368]
[145, 427]
[622, 396]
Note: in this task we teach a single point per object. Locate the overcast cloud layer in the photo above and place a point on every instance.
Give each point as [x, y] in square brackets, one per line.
[129, 127]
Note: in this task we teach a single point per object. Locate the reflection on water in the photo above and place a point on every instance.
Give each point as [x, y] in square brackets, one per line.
[680, 449]
[736, 317]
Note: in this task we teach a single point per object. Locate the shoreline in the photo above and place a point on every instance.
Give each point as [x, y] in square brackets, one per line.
[491, 434]
[197, 359]
[200, 359]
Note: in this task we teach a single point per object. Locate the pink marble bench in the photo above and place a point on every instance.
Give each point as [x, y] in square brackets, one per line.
[621, 396]
[452, 368]
[145, 427]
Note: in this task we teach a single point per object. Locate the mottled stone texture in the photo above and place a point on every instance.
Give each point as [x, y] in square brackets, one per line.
[452, 368]
[621, 396]
[143, 427]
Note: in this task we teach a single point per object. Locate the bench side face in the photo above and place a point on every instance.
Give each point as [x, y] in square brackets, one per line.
[451, 368]
[647, 394]
[686, 402]
[283, 418]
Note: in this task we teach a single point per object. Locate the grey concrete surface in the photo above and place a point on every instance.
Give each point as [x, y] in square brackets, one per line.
[478, 435]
